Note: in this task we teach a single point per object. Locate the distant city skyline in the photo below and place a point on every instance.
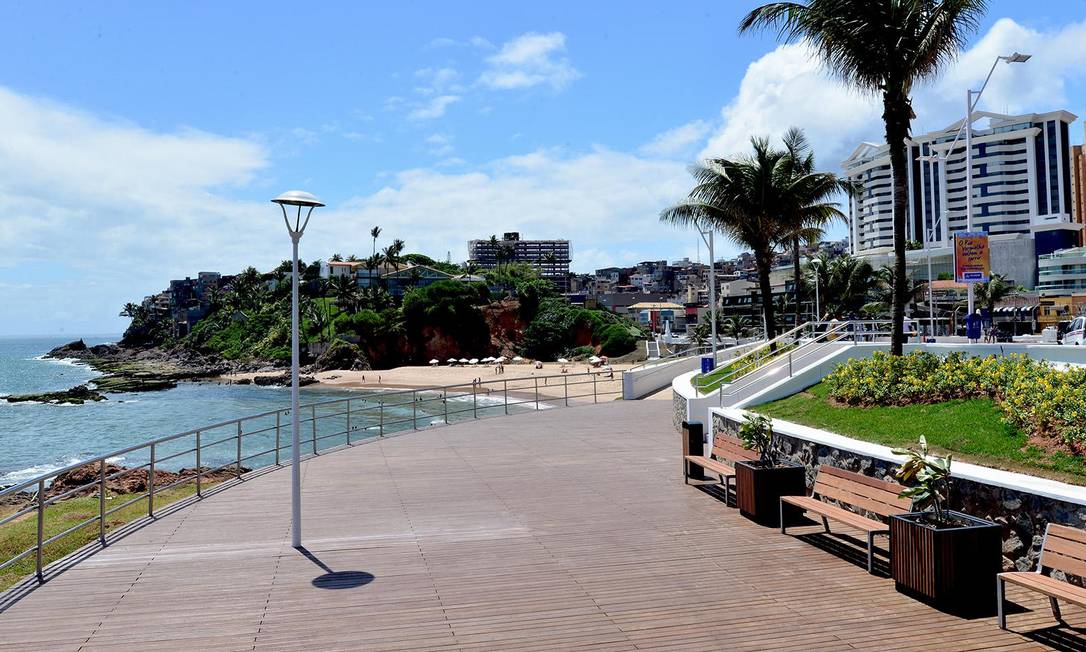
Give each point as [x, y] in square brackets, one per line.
[140, 143]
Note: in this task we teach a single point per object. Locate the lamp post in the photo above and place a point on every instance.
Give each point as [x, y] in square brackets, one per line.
[295, 199]
[971, 99]
[707, 236]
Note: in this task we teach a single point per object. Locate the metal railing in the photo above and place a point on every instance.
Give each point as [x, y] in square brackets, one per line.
[791, 346]
[326, 425]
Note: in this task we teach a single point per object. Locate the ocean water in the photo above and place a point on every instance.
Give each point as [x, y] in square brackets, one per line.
[36, 438]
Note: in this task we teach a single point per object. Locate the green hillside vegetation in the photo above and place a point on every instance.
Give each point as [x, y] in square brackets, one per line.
[249, 320]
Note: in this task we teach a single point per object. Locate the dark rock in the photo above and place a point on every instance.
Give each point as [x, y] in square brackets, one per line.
[282, 380]
[341, 355]
[135, 481]
[75, 396]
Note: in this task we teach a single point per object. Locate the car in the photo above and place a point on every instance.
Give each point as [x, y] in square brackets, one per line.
[1076, 332]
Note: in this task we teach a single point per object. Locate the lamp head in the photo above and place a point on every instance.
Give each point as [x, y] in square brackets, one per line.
[1018, 57]
[297, 198]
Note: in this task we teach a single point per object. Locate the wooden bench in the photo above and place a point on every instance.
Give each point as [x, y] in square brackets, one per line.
[730, 449]
[856, 490]
[1064, 549]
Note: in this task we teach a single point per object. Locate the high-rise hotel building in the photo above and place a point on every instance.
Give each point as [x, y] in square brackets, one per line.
[1021, 194]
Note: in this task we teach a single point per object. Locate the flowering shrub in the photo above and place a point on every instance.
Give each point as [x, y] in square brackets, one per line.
[1032, 395]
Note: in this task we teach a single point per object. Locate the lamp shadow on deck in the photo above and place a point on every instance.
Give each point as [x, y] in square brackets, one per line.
[336, 579]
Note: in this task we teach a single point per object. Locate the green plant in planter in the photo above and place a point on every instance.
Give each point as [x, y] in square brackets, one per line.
[756, 432]
[932, 475]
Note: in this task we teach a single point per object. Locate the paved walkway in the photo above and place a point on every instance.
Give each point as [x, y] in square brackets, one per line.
[564, 529]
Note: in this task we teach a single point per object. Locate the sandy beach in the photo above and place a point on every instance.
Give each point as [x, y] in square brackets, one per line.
[522, 379]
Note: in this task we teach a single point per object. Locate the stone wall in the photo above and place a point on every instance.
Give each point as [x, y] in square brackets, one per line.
[1023, 515]
[678, 410]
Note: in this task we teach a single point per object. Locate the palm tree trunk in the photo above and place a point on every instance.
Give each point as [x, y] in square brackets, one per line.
[764, 260]
[896, 114]
[797, 286]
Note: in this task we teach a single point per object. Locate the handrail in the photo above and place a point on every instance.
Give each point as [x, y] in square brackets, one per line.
[354, 420]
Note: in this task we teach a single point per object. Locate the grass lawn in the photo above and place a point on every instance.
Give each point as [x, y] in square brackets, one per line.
[712, 381]
[971, 429]
[21, 534]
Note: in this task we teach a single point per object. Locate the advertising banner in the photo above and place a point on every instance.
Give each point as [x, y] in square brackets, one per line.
[971, 260]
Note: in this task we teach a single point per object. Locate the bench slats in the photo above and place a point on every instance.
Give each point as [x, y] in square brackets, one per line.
[883, 492]
[862, 502]
[1066, 532]
[710, 464]
[1065, 550]
[731, 449]
[836, 513]
[1048, 586]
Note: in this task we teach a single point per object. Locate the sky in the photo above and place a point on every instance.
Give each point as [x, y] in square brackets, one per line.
[141, 142]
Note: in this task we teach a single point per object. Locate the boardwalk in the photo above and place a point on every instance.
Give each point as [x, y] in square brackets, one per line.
[560, 530]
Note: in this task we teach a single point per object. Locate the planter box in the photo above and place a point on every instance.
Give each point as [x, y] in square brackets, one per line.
[759, 490]
[954, 569]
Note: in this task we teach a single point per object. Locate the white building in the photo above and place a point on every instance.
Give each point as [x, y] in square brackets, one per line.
[1062, 272]
[1021, 193]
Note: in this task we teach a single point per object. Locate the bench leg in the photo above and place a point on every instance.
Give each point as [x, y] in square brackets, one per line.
[783, 526]
[1055, 608]
[686, 471]
[1001, 615]
[826, 524]
[870, 551]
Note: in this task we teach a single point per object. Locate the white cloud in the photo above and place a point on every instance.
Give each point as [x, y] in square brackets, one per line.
[103, 199]
[529, 60]
[602, 200]
[439, 144]
[435, 108]
[437, 80]
[787, 88]
[677, 142]
[446, 42]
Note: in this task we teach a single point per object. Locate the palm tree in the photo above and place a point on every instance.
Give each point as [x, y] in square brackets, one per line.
[995, 290]
[336, 258]
[345, 290]
[757, 201]
[884, 48]
[846, 283]
[374, 233]
[806, 223]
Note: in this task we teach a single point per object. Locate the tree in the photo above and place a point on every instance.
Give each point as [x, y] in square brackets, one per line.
[756, 200]
[884, 48]
[336, 258]
[375, 232]
[345, 290]
[391, 253]
[994, 291]
[805, 223]
[846, 283]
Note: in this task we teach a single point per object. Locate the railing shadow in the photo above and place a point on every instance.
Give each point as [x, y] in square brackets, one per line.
[849, 548]
[1059, 637]
[335, 580]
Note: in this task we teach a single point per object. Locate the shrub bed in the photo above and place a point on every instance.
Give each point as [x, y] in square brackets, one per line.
[1032, 395]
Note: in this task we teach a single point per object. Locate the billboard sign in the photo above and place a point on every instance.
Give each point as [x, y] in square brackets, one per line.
[971, 258]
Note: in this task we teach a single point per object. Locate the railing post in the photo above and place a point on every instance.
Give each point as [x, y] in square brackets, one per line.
[474, 401]
[535, 384]
[789, 364]
[594, 400]
[348, 422]
[41, 526]
[277, 428]
[381, 415]
[505, 390]
[565, 389]
[200, 471]
[445, 402]
[102, 502]
[414, 411]
[151, 485]
[313, 422]
[237, 462]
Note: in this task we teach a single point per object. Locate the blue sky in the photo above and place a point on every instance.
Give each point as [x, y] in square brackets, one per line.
[141, 141]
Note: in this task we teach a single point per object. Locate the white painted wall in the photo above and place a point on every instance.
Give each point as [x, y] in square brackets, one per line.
[638, 383]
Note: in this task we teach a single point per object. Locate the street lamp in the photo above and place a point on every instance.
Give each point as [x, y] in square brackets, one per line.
[972, 98]
[299, 200]
[707, 237]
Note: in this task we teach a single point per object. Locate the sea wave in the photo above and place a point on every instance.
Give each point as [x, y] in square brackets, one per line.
[31, 472]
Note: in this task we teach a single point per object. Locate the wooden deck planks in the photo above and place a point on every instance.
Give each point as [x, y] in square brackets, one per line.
[559, 530]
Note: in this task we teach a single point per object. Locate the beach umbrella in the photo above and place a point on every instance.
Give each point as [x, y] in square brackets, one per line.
[517, 358]
[473, 361]
[435, 361]
[463, 360]
[488, 359]
[500, 358]
[594, 359]
[563, 360]
[451, 361]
